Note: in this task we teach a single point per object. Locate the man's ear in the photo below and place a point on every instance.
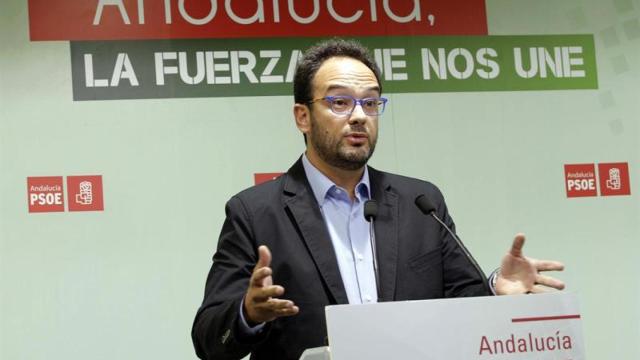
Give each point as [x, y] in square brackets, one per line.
[303, 117]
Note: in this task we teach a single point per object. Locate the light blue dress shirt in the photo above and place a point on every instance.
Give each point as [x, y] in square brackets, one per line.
[349, 232]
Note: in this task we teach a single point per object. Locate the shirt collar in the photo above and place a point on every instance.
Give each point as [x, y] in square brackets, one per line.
[320, 184]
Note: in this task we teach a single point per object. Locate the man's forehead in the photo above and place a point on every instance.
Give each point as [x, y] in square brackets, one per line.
[344, 73]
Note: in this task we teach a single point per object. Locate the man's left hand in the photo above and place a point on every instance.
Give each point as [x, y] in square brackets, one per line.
[521, 275]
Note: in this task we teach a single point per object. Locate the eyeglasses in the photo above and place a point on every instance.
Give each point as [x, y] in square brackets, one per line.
[344, 105]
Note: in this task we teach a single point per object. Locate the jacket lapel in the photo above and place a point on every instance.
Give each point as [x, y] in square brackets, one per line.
[306, 213]
[386, 228]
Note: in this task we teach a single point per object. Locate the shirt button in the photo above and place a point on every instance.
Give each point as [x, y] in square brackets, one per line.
[360, 257]
[367, 298]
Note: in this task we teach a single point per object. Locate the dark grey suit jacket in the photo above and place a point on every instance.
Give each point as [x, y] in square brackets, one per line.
[417, 260]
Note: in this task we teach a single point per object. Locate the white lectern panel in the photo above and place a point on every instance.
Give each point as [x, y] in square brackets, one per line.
[540, 327]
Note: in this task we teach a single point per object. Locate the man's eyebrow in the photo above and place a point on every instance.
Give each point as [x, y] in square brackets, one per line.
[375, 88]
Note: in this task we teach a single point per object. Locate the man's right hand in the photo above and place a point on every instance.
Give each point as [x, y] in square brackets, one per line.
[261, 303]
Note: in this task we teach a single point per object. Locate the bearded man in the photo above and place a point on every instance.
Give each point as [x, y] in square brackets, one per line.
[292, 246]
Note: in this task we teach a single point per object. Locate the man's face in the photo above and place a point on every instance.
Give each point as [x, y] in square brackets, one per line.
[342, 141]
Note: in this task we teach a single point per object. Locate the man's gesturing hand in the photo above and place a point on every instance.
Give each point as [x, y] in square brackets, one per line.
[520, 274]
[260, 302]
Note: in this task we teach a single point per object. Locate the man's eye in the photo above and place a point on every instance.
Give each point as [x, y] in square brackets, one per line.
[340, 102]
[370, 103]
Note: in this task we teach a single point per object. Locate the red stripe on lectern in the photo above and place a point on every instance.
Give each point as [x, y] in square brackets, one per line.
[546, 318]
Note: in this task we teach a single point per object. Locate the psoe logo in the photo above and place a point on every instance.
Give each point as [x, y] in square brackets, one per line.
[580, 180]
[259, 178]
[614, 179]
[85, 197]
[45, 194]
[85, 193]
[613, 182]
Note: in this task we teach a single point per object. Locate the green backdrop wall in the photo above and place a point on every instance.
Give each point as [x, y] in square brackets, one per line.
[124, 283]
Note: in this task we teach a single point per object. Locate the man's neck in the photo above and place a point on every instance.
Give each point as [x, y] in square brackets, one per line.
[346, 179]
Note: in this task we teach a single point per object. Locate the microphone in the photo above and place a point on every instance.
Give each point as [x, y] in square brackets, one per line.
[428, 208]
[370, 213]
[370, 210]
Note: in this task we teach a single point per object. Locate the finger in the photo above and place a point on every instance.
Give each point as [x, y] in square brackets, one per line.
[549, 265]
[288, 311]
[275, 306]
[265, 294]
[259, 274]
[279, 304]
[549, 282]
[539, 289]
[518, 243]
[264, 257]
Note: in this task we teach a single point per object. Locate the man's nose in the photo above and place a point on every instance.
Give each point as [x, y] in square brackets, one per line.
[358, 115]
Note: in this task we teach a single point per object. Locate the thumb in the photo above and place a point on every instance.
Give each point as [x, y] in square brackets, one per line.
[264, 259]
[518, 243]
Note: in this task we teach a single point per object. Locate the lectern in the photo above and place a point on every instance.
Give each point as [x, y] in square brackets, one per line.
[519, 327]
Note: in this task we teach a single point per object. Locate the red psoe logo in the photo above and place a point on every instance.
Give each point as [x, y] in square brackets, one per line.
[45, 194]
[260, 178]
[614, 179]
[85, 193]
[580, 180]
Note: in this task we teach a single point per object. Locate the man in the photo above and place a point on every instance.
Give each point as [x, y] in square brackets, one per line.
[294, 245]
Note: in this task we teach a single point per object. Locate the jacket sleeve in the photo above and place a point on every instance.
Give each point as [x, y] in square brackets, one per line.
[215, 328]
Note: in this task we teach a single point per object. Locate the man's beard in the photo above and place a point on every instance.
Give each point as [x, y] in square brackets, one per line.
[338, 154]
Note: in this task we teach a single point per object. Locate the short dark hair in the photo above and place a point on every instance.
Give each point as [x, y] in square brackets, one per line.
[316, 55]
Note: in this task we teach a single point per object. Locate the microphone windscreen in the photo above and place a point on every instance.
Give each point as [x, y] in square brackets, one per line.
[424, 204]
[370, 210]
